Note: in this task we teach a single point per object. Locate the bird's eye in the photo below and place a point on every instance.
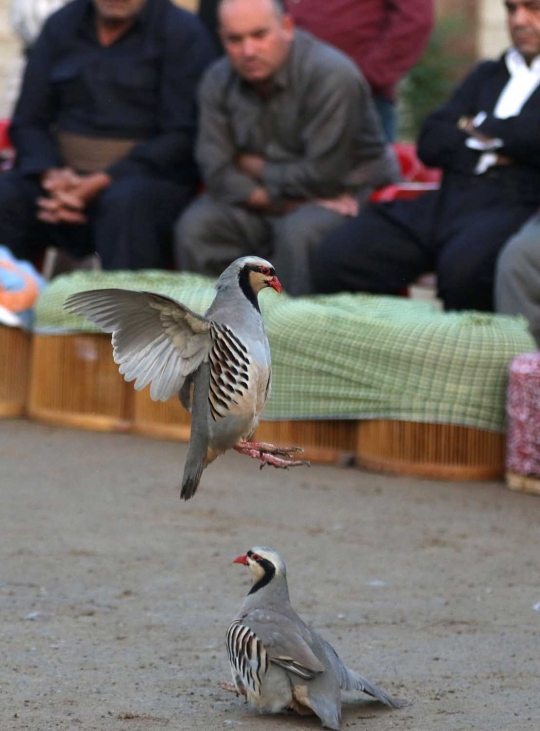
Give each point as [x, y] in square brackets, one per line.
[265, 270]
[255, 557]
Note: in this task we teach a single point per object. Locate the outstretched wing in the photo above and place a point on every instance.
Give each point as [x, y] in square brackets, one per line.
[155, 339]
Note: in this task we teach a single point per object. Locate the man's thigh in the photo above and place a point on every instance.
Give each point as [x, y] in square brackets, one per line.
[211, 234]
[468, 259]
[295, 237]
[373, 252]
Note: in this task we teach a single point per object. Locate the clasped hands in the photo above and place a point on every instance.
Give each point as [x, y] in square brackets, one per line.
[69, 194]
[253, 165]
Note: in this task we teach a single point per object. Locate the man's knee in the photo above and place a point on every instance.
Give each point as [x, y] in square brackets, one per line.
[126, 194]
[16, 193]
[520, 257]
[196, 222]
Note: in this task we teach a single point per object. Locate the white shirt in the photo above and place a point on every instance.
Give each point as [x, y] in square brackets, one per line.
[522, 82]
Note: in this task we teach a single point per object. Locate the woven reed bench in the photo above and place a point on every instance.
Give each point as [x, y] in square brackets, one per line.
[403, 387]
[14, 371]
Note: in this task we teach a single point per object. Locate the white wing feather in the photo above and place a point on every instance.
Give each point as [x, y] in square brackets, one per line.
[155, 339]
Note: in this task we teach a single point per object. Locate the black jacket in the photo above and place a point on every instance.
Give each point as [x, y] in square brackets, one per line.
[143, 86]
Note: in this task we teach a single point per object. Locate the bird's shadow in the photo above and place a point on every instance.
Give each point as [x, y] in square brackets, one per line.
[352, 710]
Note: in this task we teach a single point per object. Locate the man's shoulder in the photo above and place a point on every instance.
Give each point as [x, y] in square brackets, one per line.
[218, 75]
[316, 57]
[489, 67]
[181, 18]
[67, 16]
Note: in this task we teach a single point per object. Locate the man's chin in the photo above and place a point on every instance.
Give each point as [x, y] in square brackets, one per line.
[528, 50]
[255, 77]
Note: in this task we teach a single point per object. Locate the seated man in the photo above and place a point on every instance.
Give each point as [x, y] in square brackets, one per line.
[103, 131]
[517, 281]
[289, 143]
[487, 141]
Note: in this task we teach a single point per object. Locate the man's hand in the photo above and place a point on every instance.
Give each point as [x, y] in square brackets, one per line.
[69, 195]
[466, 124]
[344, 204]
[251, 165]
[259, 200]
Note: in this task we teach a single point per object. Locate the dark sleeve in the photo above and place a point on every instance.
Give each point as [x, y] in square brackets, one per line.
[520, 135]
[441, 143]
[216, 150]
[30, 129]
[407, 27]
[185, 58]
[337, 106]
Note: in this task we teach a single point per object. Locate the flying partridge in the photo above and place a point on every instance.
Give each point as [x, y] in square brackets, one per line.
[219, 363]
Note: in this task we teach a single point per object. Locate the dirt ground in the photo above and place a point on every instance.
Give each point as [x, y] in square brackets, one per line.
[115, 597]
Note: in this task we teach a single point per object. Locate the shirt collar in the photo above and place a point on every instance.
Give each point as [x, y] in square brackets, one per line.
[86, 24]
[515, 63]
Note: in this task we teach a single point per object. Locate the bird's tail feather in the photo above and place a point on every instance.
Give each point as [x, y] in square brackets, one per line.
[357, 682]
[198, 443]
[191, 479]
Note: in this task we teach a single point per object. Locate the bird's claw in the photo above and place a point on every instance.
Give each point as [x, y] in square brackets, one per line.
[230, 688]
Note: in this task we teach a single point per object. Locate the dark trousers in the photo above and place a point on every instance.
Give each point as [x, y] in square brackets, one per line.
[456, 232]
[130, 223]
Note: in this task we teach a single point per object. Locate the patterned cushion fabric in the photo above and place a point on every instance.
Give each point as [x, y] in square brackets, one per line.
[350, 356]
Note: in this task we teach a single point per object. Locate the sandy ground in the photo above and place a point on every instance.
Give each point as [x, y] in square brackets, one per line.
[115, 596]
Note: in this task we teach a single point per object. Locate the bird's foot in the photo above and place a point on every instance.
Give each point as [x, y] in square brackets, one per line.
[269, 454]
[268, 448]
[230, 687]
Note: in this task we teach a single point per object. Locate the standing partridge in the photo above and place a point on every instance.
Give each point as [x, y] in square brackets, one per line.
[277, 661]
[218, 363]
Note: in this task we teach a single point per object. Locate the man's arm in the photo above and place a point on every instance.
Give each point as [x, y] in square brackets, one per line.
[215, 151]
[30, 129]
[337, 105]
[407, 28]
[442, 142]
[519, 135]
[188, 52]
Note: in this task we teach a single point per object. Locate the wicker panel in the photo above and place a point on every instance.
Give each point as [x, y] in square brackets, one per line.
[167, 420]
[14, 369]
[324, 441]
[440, 451]
[75, 382]
[523, 483]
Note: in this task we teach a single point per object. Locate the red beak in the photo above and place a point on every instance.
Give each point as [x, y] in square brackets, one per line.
[275, 284]
[241, 559]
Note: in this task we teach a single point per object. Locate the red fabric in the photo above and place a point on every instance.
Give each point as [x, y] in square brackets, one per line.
[384, 37]
[417, 177]
[523, 410]
[5, 143]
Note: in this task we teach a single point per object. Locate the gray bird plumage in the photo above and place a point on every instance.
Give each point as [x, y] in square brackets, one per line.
[277, 661]
[219, 363]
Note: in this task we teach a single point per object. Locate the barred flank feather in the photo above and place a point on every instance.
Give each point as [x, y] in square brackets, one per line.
[247, 656]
